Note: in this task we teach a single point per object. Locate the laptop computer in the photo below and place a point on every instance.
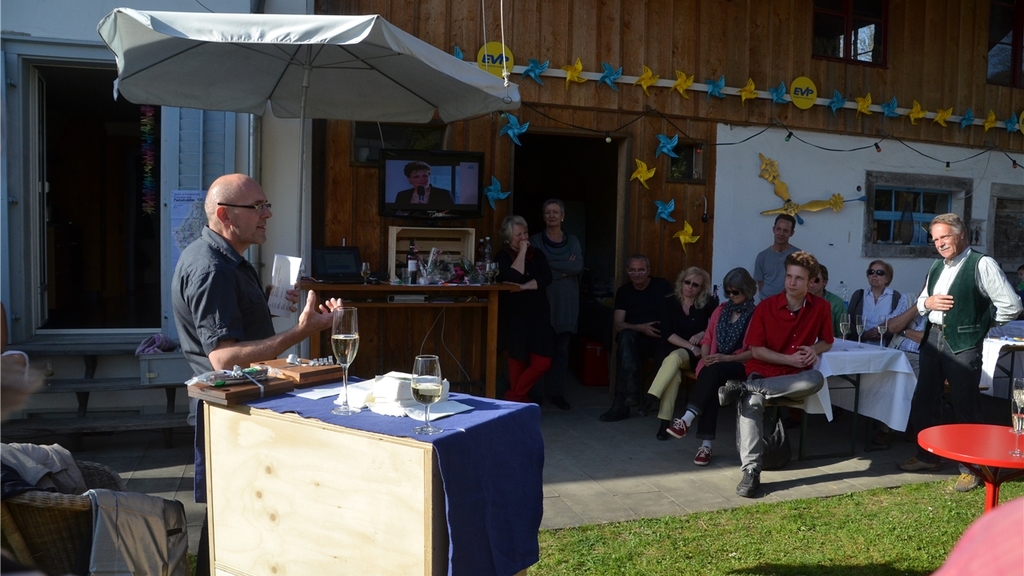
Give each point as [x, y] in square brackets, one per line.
[339, 264]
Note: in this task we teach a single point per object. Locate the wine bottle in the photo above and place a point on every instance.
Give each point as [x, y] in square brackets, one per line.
[413, 260]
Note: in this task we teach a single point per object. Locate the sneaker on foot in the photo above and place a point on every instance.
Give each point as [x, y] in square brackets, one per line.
[650, 401]
[967, 482]
[749, 484]
[730, 392]
[916, 465]
[662, 433]
[678, 428]
[703, 457]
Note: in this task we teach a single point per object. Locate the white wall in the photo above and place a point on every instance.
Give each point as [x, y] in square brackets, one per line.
[812, 174]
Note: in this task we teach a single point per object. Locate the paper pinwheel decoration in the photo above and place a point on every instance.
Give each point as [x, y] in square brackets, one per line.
[683, 83]
[1011, 124]
[572, 73]
[778, 93]
[494, 192]
[748, 91]
[665, 210]
[715, 87]
[990, 121]
[535, 69]
[864, 105]
[513, 128]
[642, 173]
[770, 172]
[610, 75]
[686, 235]
[967, 119]
[915, 113]
[667, 145]
[836, 102]
[942, 115]
[457, 52]
[889, 108]
[647, 79]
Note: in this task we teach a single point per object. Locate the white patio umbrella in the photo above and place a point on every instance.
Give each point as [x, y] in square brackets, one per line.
[340, 67]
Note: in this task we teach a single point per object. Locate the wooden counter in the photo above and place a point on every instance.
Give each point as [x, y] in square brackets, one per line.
[408, 324]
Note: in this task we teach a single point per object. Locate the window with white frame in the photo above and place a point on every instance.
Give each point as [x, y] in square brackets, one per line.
[899, 208]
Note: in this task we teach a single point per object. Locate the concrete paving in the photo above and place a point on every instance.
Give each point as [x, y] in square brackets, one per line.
[594, 472]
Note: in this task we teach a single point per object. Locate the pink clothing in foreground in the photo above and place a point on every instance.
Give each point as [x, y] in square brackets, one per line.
[992, 544]
[711, 341]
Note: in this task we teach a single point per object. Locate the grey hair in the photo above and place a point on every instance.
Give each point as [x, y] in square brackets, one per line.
[647, 262]
[551, 201]
[950, 219]
[510, 222]
[740, 279]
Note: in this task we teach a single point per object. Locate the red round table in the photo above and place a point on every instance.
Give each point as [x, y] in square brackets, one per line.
[983, 448]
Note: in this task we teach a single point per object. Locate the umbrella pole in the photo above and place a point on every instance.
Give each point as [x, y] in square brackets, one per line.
[302, 159]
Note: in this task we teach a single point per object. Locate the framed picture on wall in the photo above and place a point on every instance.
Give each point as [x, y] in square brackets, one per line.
[689, 166]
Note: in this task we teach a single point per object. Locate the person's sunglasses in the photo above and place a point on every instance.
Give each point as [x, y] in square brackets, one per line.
[691, 284]
[259, 206]
[731, 293]
[876, 272]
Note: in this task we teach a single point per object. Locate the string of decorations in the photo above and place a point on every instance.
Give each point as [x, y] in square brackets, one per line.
[148, 135]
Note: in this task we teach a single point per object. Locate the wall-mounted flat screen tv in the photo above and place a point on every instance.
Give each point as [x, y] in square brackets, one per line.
[438, 185]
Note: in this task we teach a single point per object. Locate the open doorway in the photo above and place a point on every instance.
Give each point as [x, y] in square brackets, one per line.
[581, 171]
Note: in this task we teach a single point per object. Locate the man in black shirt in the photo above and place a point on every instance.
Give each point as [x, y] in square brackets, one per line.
[638, 308]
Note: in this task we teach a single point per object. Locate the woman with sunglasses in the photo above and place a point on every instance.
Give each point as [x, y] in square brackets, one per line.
[682, 327]
[723, 355]
[878, 302]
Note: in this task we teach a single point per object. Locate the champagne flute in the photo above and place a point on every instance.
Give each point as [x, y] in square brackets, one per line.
[859, 326]
[883, 325]
[345, 342]
[365, 271]
[426, 389]
[1017, 412]
[490, 269]
[844, 325]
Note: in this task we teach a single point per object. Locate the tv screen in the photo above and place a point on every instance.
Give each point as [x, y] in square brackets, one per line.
[435, 185]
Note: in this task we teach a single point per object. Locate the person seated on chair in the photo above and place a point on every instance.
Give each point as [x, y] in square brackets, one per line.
[422, 194]
[786, 335]
[682, 327]
[877, 305]
[838, 306]
[722, 357]
[638, 308]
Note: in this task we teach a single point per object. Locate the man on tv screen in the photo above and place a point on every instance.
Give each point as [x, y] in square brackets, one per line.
[422, 195]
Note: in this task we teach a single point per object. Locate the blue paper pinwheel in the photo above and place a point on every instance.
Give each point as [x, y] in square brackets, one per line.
[889, 109]
[1012, 124]
[494, 192]
[610, 75]
[457, 52]
[836, 102]
[715, 88]
[667, 145]
[665, 210]
[967, 119]
[535, 69]
[778, 93]
[513, 128]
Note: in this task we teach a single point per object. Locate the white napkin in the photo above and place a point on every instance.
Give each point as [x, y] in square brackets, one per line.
[437, 411]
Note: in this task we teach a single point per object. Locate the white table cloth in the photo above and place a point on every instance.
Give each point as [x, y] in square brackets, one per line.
[995, 370]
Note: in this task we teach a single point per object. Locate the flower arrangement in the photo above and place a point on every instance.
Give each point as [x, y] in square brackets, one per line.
[442, 268]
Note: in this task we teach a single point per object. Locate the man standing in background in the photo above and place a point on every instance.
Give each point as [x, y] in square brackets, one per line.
[770, 267]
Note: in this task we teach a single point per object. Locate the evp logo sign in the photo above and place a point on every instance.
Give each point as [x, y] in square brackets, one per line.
[803, 92]
[493, 57]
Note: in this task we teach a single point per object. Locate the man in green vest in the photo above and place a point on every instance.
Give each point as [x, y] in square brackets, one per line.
[965, 293]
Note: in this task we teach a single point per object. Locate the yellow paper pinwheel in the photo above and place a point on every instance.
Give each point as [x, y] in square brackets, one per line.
[686, 235]
[572, 73]
[748, 91]
[864, 105]
[683, 83]
[648, 78]
[990, 121]
[915, 113]
[941, 116]
[642, 173]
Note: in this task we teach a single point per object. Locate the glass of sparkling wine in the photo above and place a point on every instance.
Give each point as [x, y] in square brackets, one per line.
[345, 342]
[490, 269]
[365, 271]
[1017, 411]
[859, 326]
[426, 388]
[883, 325]
[844, 325]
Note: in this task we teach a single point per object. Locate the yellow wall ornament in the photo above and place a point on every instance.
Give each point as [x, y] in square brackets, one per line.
[770, 172]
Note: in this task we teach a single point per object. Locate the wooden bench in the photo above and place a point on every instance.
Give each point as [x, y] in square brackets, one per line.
[84, 422]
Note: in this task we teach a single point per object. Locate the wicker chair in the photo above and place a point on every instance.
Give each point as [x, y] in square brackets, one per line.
[52, 531]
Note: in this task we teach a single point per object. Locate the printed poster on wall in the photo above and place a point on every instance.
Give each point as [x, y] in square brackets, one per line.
[187, 220]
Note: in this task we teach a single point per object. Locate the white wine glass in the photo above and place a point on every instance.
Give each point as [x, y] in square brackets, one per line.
[345, 342]
[1017, 412]
[426, 389]
[883, 326]
[365, 271]
[859, 326]
[490, 269]
[844, 325]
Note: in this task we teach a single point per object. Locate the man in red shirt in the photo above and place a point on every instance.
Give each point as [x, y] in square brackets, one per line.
[787, 333]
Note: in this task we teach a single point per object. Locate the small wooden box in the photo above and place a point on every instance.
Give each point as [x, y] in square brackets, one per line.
[454, 242]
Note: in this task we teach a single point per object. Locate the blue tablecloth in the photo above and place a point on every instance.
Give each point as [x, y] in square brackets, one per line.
[491, 460]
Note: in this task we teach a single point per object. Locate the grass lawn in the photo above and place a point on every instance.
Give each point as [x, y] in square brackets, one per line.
[907, 530]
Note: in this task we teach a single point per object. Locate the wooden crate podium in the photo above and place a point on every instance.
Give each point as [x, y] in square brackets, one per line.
[454, 242]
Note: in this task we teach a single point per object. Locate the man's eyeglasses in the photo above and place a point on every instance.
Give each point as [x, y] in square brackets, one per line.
[259, 206]
[731, 293]
[636, 272]
[876, 272]
[691, 284]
